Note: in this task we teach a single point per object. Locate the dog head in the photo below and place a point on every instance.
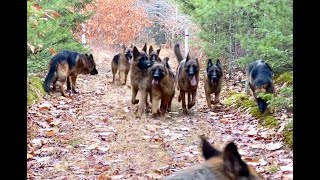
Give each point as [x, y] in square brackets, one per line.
[192, 69]
[154, 55]
[262, 104]
[229, 160]
[128, 51]
[214, 71]
[159, 70]
[92, 65]
[141, 59]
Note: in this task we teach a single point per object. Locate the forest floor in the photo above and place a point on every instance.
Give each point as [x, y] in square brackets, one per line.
[94, 134]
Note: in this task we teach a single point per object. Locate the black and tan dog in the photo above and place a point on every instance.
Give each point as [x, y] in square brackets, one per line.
[213, 83]
[68, 64]
[162, 88]
[154, 54]
[225, 165]
[260, 80]
[187, 78]
[121, 64]
[139, 78]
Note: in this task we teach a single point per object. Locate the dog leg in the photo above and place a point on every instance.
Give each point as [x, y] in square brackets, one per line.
[73, 81]
[133, 97]
[142, 103]
[68, 84]
[183, 98]
[155, 104]
[208, 98]
[193, 102]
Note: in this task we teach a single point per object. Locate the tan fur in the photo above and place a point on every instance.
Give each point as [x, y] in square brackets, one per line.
[83, 66]
[217, 167]
[162, 93]
[123, 66]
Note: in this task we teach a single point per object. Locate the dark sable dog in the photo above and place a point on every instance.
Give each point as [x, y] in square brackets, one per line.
[226, 165]
[68, 64]
[154, 55]
[187, 78]
[139, 78]
[163, 86]
[121, 63]
[213, 83]
[259, 79]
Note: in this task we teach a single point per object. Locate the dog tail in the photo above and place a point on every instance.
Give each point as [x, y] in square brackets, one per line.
[177, 52]
[52, 70]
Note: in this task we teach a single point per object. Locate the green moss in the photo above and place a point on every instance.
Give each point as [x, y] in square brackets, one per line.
[274, 169]
[288, 134]
[242, 100]
[34, 89]
[285, 77]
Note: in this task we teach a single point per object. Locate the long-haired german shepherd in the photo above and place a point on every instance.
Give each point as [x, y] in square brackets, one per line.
[259, 79]
[225, 165]
[163, 86]
[121, 63]
[187, 78]
[213, 83]
[139, 78]
[154, 54]
[68, 64]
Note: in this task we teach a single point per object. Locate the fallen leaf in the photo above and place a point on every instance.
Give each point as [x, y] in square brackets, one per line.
[273, 146]
[103, 149]
[29, 156]
[146, 137]
[50, 133]
[281, 128]
[151, 128]
[93, 146]
[286, 168]
[117, 177]
[184, 129]
[47, 149]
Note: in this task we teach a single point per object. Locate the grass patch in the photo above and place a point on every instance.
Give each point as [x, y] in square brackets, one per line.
[238, 100]
[288, 134]
[35, 90]
[284, 77]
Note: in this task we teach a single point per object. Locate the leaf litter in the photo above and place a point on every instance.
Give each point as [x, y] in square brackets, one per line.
[94, 135]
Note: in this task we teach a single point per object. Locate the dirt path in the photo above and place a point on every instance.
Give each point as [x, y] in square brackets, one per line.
[95, 135]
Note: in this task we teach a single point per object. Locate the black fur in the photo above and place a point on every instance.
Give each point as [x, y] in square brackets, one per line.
[116, 58]
[214, 71]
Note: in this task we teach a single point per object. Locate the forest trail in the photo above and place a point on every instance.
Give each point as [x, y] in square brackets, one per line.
[94, 135]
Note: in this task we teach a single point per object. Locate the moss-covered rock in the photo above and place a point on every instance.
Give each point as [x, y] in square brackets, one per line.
[288, 133]
[242, 100]
[284, 77]
[35, 90]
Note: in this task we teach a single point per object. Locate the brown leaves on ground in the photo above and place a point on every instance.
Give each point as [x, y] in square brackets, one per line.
[94, 135]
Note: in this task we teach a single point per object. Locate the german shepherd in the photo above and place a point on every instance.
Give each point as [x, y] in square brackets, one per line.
[226, 165]
[121, 63]
[162, 88]
[139, 78]
[154, 55]
[213, 83]
[68, 64]
[259, 79]
[187, 78]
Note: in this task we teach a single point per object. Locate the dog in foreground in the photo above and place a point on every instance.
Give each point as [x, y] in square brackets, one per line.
[226, 165]
[187, 78]
[213, 83]
[259, 79]
[66, 66]
[121, 64]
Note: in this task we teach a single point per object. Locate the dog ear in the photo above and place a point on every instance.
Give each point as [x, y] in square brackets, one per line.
[136, 52]
[188, 57]
[232, 160]
[158, 51]
[131, 46]
[209, 64]
[165, 60]
[144, 47]
[218, 63]
[150, 49]
[91, 56]
[123, 47]
[208, 150]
